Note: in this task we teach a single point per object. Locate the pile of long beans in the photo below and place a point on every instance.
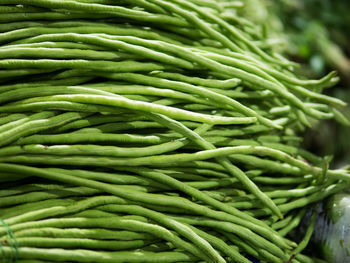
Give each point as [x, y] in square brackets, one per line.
[153, 131]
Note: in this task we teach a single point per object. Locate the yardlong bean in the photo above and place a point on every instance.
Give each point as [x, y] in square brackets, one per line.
[154, 131]
[148, 198]
[123, 66]
[72, 243]
[116, 11]
[37, 125]
[142, 79]
[198, 156]
[73, 138]
[118, 223]
[24, 32]
[81, 255]
[93, 233]
[227, 227]
[235, 171]
[145, 106]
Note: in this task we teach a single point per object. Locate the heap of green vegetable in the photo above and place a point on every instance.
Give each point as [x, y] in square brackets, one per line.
[153, 131]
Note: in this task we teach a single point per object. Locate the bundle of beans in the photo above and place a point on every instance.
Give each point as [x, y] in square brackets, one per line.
[153, 131]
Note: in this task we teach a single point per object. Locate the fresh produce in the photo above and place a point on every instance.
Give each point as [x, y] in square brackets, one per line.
[153, 131]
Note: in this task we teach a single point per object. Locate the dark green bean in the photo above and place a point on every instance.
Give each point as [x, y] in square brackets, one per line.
[36, 125]
[74, 243]
[233, 170]
[115, 11]
[43, 195]
[93, 233]
[73, 138]
[294, 223]
[152, 199]
[61, 82]
[122, 66]
[117, 223]
[222, 246]
[242, 232]
[80, 255]
[27, 207]
[310, 229]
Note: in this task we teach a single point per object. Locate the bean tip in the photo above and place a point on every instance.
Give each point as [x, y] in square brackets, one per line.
[279, 214]
[277, 126]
